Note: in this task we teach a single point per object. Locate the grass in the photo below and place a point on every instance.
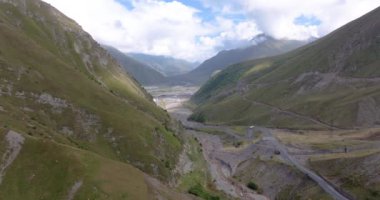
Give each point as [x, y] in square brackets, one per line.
[236, 111]
[353, 173]
[55, 168]
[200, 192]
[257, 68]
[327, 140]
[199, 173]
[41, 57]
[277, 180]
[354, 154]
[241, 130]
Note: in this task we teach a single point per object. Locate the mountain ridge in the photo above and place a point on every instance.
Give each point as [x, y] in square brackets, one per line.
[142, 72]
[332, 80]
[267, 46]
[168, 66]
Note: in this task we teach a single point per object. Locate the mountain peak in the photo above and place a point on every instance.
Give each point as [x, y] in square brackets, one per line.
[260, 38]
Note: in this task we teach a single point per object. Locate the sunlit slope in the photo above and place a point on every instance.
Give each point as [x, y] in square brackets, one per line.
[333, 82]
[265, 46]
[59, 171]
[59, 85]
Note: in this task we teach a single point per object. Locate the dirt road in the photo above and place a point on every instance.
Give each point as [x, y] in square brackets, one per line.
[224, 163]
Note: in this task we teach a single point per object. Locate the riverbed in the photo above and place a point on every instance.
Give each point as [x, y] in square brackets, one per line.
[171, 97]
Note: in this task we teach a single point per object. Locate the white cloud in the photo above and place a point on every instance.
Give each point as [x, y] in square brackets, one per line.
[232, 34]
[277, 17]
[175, 29]
[153, 27]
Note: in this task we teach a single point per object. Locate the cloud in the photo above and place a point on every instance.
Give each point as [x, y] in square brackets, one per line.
[278, 18]
[153, 27]
[196, 31]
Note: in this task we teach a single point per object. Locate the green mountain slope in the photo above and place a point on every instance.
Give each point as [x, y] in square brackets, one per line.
[67, 96]
[330, 83]
[166, 65]
[263, 46]
[143, 73]
[44, 169]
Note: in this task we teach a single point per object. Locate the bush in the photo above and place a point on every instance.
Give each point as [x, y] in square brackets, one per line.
[198, 117]
[167, 164]
[253, 186]
[237, 144]
[374, 193]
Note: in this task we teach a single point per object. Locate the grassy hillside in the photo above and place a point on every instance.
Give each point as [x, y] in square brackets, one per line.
[143, 73]
[57, 85]
[354, 173]
[330, 83]
[59, 171]
[266, 46]
[347, 158]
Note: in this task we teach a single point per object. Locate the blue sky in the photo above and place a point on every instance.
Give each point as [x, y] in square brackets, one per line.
[197, 29]
[126, 3]
[307, 20]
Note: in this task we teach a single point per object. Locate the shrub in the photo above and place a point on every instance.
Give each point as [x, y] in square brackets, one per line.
[198, 117]
[167, 164]
[237, 144]
[253, 186]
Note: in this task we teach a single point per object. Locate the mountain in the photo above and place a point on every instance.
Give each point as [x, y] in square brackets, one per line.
[166, 65]
[74, 124]
[261, 46]
[142, 72]
[330, 83]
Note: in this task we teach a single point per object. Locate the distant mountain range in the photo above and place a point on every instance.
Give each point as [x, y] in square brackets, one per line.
[260, 46]
[168, 66]
[162, 70]
[333, 82]
[142, 72]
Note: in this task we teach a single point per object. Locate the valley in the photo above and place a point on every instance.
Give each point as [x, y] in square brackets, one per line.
[171, 100]
[236, 155]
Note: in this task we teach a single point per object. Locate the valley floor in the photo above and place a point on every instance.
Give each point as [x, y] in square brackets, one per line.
[282, 164]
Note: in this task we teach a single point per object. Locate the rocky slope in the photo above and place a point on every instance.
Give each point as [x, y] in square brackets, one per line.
[330, 83]
[86, 125]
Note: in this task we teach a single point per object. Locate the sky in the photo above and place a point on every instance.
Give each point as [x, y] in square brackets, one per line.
[195, 30]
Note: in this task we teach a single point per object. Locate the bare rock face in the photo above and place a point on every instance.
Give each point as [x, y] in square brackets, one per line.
[55, 102]
[15, 142]
[74, 190]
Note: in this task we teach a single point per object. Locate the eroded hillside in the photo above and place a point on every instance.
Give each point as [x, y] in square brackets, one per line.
[77, 109]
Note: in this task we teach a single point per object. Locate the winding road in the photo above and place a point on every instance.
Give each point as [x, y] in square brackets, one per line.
[223, 164]
[219, 162]
[326, 186]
